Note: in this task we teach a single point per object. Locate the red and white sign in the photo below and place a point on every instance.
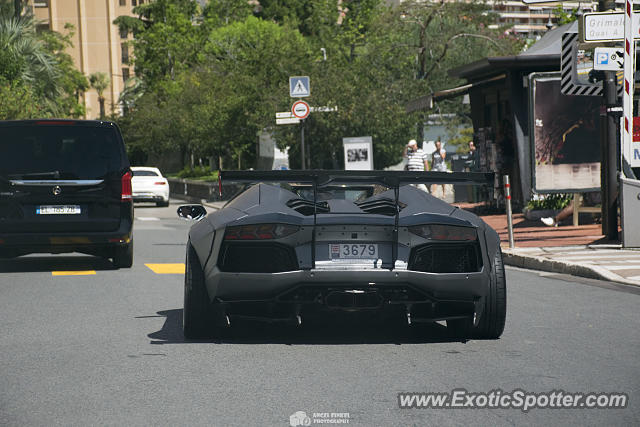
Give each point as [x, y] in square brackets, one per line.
[300, 109]
[628, 143]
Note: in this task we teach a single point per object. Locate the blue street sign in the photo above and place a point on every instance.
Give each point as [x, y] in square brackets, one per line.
[299, 87]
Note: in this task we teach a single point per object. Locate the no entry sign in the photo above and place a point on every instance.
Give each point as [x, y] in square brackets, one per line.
[300, 109]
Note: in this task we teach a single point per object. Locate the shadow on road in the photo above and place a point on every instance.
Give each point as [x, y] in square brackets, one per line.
[315, 331]
[27, 264]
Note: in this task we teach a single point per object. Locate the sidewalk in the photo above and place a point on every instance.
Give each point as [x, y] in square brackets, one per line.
[580, 251]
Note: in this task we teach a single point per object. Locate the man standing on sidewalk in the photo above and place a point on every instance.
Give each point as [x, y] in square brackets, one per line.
[416, 160]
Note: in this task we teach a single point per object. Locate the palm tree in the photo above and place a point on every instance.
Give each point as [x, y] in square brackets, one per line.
[99, 81]
[25, 57]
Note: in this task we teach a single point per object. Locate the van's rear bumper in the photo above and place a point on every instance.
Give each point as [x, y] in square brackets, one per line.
[14, 244]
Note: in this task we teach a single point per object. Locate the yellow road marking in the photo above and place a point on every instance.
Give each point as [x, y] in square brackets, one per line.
[73, 273]
[167, 268]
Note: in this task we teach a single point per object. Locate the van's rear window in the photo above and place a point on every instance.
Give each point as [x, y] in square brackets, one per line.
[59, 152]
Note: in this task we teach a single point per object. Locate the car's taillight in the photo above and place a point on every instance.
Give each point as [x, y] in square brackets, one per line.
[160, 183]
[444, 232]
[126, 187]
[260, 231]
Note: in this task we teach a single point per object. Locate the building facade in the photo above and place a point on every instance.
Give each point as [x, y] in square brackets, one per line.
[98, 44]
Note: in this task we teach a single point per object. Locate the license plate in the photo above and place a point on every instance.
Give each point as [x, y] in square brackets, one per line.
[58, 210]
[353, 250]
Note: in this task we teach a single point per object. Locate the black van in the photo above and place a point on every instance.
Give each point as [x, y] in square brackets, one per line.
[65, 186]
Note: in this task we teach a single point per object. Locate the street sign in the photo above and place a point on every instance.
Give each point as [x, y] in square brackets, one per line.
[284, 115]
[608, 59]
[287, 121]
[605, 27]
[630, 36]
[358, 153]
[299, 87]
[324, 109]
[300, 109]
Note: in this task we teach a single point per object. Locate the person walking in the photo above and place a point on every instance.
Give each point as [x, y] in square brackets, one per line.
[416, 160]
[438, 164]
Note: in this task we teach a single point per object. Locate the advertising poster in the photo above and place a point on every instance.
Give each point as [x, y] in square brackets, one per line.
[565, 139]
[358, 153]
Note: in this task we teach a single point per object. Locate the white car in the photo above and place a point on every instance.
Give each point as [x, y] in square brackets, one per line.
[148, 185]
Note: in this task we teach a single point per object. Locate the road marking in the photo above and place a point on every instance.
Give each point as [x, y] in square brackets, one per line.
[147, 218]
[167, 268]
[73, 273]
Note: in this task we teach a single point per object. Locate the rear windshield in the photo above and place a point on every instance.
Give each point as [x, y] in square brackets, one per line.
[144, 173]
[59, 152]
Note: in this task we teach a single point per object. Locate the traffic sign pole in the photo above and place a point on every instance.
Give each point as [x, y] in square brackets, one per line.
[609, 173]
[302, 144]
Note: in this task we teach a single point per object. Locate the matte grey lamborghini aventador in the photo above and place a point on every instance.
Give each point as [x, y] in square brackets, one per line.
[294, 243]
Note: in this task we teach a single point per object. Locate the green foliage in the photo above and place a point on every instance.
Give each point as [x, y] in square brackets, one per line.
[210, 82]
[551, 201]
[166, 41]
[564, 17]
[38, 77]
[198, 172]
[461, 140]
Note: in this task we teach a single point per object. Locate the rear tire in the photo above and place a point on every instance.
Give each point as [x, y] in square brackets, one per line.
[201, 318]
[491, 324]
[123, 256]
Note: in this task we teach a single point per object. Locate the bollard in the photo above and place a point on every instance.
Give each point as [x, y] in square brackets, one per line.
[507, 196]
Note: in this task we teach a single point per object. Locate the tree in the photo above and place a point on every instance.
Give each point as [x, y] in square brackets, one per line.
[233, 69]
[166, 39]
[99, 81]
[35, 68]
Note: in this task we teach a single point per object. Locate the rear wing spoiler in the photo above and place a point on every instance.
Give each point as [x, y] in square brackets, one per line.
[391, 179]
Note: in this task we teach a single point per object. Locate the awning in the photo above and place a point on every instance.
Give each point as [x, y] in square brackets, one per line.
[426, 102]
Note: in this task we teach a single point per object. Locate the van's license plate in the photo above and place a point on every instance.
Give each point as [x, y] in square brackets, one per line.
[58, 210]
[353, 250]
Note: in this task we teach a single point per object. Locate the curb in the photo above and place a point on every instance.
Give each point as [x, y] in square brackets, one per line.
[563, 267]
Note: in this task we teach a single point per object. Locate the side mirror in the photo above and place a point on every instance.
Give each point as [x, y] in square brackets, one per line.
[192, 212]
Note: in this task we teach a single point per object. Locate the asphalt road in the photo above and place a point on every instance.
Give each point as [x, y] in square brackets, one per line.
[107, 349]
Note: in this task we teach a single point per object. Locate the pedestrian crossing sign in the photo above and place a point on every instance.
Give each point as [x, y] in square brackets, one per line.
[299, 87]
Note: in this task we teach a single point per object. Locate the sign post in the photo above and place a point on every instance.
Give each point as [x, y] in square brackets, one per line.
[300, 111]
[300, 87]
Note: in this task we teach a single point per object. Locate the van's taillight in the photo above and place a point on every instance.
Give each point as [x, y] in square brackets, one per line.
[54, 122]
[126, 187]
[160, 183]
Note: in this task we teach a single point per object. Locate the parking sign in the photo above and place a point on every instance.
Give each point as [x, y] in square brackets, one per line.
[608, 58]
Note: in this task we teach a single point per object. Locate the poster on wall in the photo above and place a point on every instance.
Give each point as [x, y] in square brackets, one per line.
[358, 153]
[565, 138]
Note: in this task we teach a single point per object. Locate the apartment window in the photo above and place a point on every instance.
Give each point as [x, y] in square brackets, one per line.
[123, 2]
[125, 53]
[134, 2]
[123, 33]
[125, 74]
